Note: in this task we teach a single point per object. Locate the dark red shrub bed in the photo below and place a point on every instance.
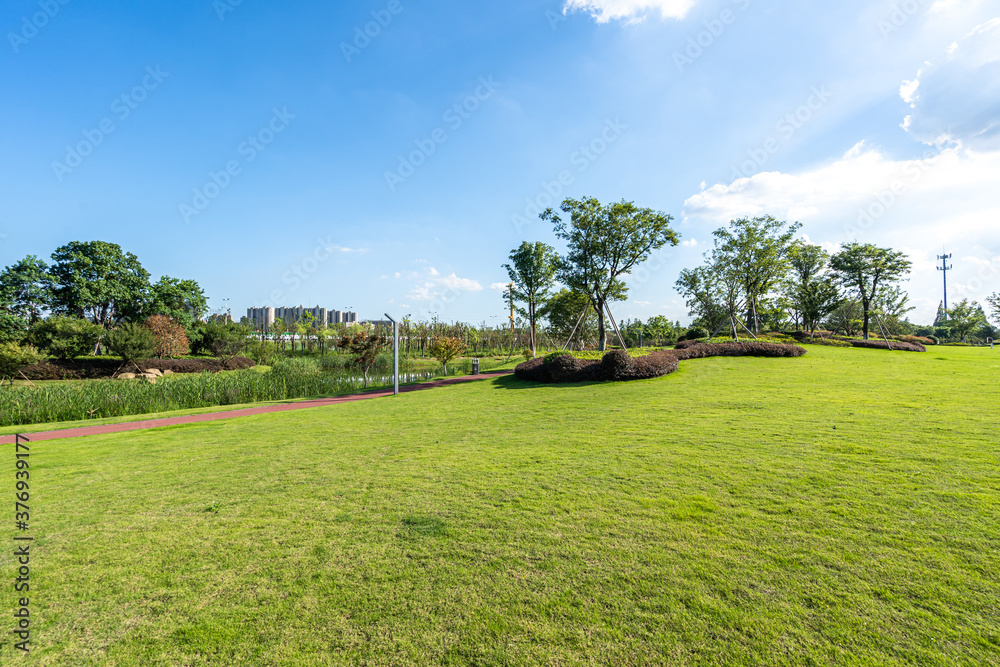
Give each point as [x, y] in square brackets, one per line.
[89, 369]
[882, 345]
[618, 365]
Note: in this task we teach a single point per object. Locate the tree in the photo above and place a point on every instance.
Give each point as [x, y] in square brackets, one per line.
[12, 328]
[567, 309]
[26, 288]
[811, 292]
[866, 268]
[965, 317]
[604, 244]
[364, 348]
[14, 358]
[532, 272]
[444, 349]
[701, 288]
[171, 340]
[66, 337]
[994, 302]
[756, 251]
[98, 280]
[224, 340]
[180, 300]
[132, 342]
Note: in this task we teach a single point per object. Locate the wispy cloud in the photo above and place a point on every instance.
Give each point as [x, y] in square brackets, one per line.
[630, 11]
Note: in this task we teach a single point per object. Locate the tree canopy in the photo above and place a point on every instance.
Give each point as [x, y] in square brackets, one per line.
[532, 272]
[26, 288]
[180, 300]
[605, 242]
[867, 269]
[99, 280]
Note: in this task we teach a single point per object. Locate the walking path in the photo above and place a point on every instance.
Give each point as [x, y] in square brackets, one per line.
[245, 412]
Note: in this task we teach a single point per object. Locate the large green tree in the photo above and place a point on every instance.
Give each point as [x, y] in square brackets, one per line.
[26, 288]
[98, 280]
[965, 317]
[811, 291]
[756, 250]
[180, 300]
[994, 301]
[532, 272]
[867, 269]
[604, 244]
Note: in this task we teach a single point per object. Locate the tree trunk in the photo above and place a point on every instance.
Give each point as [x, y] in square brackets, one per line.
[864, 328]
[602, 334]
[531, 313]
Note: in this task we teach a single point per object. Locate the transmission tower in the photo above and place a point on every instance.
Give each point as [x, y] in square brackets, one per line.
[945, 267]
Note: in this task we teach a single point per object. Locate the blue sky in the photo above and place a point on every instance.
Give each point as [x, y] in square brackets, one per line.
[279, 154]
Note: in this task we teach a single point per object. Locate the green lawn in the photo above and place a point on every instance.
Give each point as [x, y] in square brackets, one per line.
[841, 508]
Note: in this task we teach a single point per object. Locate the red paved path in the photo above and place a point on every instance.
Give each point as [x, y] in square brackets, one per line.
[232, 414]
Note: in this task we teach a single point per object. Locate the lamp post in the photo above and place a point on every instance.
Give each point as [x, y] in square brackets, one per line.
[395, 355]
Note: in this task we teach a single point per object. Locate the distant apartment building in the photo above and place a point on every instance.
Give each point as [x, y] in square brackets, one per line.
[263, 318]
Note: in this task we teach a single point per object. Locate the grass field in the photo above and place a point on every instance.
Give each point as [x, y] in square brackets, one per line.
[841, 508]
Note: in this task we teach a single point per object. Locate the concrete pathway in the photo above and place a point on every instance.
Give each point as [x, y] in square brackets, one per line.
[245, 412]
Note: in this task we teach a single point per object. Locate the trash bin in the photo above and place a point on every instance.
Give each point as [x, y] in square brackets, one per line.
[475, 366]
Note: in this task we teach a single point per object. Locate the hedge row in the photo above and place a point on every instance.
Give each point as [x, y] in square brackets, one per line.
[891, 345]
[89, 369]
[618, 365]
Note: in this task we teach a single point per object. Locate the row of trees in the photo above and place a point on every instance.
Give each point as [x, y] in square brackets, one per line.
[758, 274]
[92, 280]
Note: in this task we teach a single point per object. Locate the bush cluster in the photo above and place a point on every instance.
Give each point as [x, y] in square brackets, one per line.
[618, 365]
[882, 345]
[829, 342]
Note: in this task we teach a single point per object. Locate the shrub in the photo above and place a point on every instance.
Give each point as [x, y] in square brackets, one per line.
[88, 369]
[222, 339]
[445, 349]
[696, 332]
[619, 365]
[171, 340]
[934, 340]
[13, 358]
[263, 352]
[12, 328]
[829, 342]
[66, 337]
[132, 342]
[685, 344]
[882, 345]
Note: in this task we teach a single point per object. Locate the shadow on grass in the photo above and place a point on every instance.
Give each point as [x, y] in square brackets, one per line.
[511, 382]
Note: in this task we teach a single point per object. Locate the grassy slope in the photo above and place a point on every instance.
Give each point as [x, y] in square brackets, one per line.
[835, 509]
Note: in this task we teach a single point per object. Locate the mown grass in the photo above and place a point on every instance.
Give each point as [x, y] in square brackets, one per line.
[838, 509]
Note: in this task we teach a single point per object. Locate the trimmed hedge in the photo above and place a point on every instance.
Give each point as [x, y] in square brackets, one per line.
[882, 345]
[618, 365]
[90, 369]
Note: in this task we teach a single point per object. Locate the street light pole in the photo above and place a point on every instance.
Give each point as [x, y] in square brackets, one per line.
[395, 355]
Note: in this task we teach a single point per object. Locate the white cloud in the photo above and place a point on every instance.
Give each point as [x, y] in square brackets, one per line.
[435, 286]
[955, 98]
[499, 287]
[946, 201]
[339, 248]
[630, 11]
[690, 243]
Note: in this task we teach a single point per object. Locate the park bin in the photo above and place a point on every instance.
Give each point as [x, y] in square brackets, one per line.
[475, 366]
